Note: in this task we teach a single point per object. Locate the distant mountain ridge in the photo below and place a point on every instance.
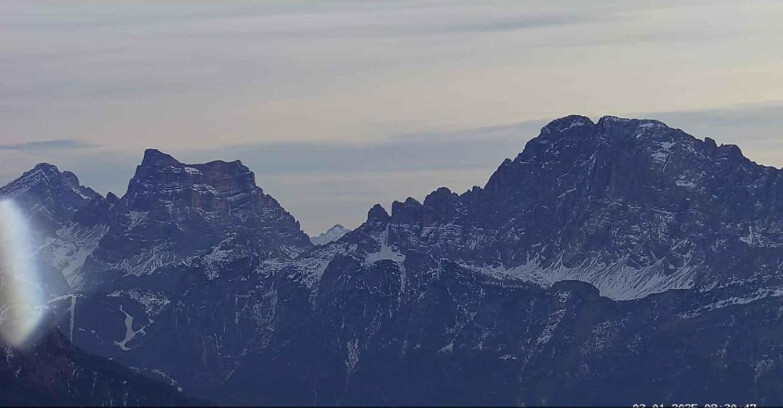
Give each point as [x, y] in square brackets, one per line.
[332, 234]
[602, 247]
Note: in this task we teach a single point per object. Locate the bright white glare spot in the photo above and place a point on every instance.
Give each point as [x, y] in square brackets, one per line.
[21, 296]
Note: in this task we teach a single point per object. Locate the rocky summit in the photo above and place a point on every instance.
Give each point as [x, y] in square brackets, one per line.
[332, 234]
[609, 263]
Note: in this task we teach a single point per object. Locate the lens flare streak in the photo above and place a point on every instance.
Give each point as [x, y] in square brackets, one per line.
[22, 299]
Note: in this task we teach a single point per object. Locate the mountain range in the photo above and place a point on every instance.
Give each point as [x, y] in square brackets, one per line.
[609, 263]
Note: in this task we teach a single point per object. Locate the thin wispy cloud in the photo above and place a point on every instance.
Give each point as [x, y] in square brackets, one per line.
[58, 144]
[459, 150]
[732, 119]
[312, 95]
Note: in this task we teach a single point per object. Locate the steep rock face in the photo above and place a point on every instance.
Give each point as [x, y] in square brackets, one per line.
[631, 206]
[176, 214]
[53, 201]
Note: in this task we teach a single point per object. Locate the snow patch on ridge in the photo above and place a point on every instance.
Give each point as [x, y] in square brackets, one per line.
[153, 301]
[386, 252]
[135, 218]
[147, 262]
[69, 249]
[735, 300]
[130, 334]
[754, 238]
[617, 281]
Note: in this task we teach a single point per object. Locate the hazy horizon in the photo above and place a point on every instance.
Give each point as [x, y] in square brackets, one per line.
[338, 105]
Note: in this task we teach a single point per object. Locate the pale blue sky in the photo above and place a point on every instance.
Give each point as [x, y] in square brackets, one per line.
[337, 105]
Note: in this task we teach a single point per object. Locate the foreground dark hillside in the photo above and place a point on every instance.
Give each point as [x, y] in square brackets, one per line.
[52, 372]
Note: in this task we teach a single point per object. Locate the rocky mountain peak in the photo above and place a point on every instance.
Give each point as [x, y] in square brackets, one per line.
[50, 176]
[51, 196]
[161, 181]
[45, 168]
[442, 193]
[589, 152]
[377, 215]
[154, 156]
[332, 234]
[156, 161]
[633, 193]
[176, 214]
[563, 124]
[610, 121]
